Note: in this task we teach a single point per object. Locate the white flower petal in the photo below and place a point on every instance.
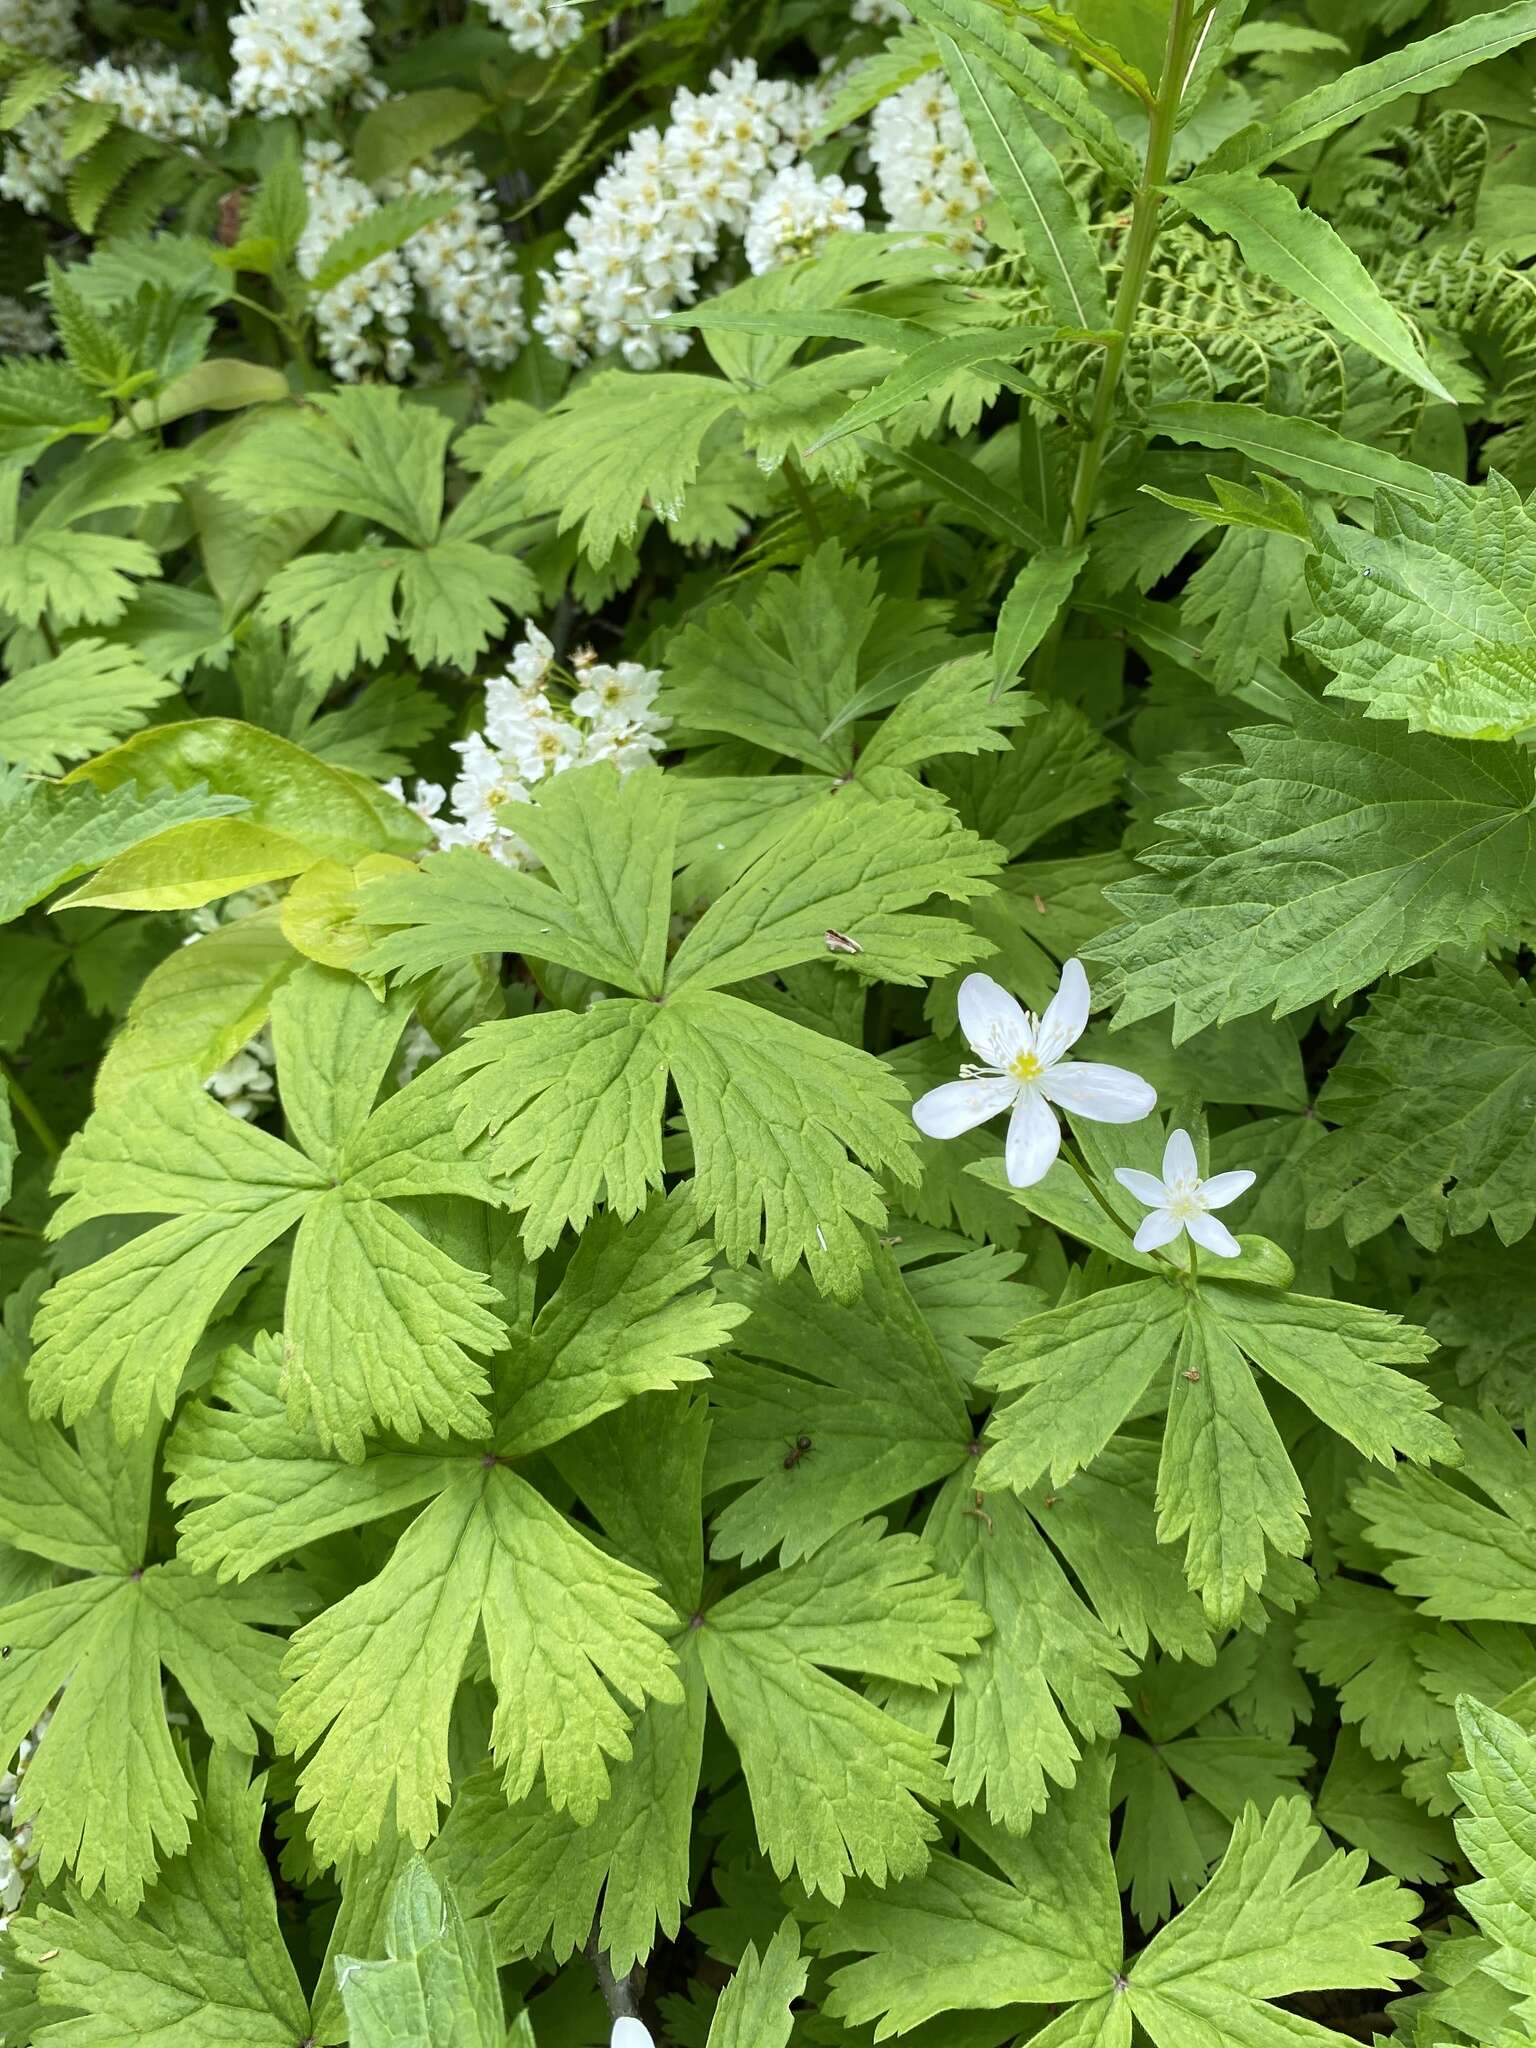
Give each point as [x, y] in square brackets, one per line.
[1105, 1095]
[1066, 1015]
[1179, 1161]
[994, 1024]
[1222, 1188]
[1146, 1187]
[1214, 1235]
[962, 1105]
[1034, 1139]
[1160, 1228]
[630, 2034]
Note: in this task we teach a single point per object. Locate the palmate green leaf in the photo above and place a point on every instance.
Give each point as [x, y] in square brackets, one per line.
[1366, 1642]
[84, 699]
[1432, 619]
[1291, 246]
[834, 1782]
[754, 2008]
[573, 1101]
[438, 1981]
[1466, 1552]
[619, 446]
[49, 835]
[1263, 899]
[1226, 1483]
[72, 578]
[1029, 184]
[1049, 1930]
[107, 1792]
[381, 1321]
[1435, 1099]
[199, 1960]
[1362, 1802]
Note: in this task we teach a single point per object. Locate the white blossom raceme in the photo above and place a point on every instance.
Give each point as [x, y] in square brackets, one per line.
[156, 102]
[930, 177]
[292, 56]
[1024, 1069]
[364, 321]
[43, 28]
[538, 28]
[244, 1084]
[1181, 1200]
[795, 213]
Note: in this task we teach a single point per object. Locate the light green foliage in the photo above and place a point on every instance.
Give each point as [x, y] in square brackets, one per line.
[381, 1322]
[545, 643]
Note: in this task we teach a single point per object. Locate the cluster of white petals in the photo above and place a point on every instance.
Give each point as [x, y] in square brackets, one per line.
[294, 56]
[362, 322]
[795, 213]
[527, 737]
[24, 329]
[156, 102]
[33, 168]
[538, 28]
[464, 265]
[245, 1085]
[1182, 1201]
[43, 28]
[656, 217]
[16, 1857]
[930, 177]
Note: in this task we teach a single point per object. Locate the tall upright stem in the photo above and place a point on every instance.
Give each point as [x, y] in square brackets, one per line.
[1145, 215]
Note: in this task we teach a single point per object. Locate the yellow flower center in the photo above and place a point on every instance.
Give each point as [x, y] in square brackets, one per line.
[1025, 1067]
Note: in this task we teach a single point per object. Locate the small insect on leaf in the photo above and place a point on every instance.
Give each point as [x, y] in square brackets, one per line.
[839, 942]
[799, 1449]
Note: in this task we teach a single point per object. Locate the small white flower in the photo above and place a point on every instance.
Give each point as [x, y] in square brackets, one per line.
[1025, 1070]
[630, 2034]
[1181, 1200]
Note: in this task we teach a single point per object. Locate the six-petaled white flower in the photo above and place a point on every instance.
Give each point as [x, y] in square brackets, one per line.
[1025, 1069]
[1181, 1200]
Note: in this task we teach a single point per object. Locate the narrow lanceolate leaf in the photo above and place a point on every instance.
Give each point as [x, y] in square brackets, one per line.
[928, 369]
[1294, 247]
[1305, 449]
[1030, 609]
[1423, 66]
[1047, 226]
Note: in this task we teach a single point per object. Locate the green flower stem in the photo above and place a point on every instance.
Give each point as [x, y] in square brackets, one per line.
[1145, 217]
[30, 1112]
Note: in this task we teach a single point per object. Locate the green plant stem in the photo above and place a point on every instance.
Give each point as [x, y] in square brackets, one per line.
[805, 504]
[1146, 214]
[30, 1112]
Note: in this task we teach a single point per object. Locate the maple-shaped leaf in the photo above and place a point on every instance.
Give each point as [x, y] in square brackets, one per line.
[1184, 1775]
[1368, 1643]
[1435, 1099]
[381, 1321]
[835, 1784]
[437, 586]
[1226, 1482]
[1336, 852]
[571, 1631]
[199, 1959]
[1431, 619]
[106, 1791]
[1041, 1926]
[573, 1101]
[437, 1980]
[1496, 1790]
[1465, 1551]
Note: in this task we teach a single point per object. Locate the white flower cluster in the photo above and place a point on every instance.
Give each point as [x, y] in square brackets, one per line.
[931, 179]
[245, 1084]
[24, 329]
[527, 738]
[362, 321]
[795, 213]
[16, 1858]
[293, 56]
[538, 28]
[158, 103]
[33, 167]
[464, 264]
[656, 215]
[43, 28]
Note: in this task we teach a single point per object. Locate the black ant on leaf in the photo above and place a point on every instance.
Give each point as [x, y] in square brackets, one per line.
[800, 1448]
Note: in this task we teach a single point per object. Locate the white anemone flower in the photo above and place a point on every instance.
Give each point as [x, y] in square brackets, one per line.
[630, 2034]
[1181, 1200]
[1025, 1070]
